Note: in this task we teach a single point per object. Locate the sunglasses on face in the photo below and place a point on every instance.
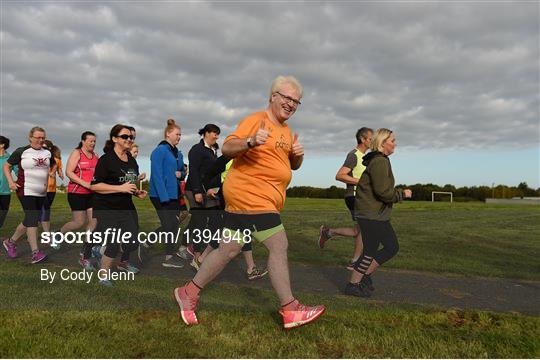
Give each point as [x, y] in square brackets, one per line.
[126, 136]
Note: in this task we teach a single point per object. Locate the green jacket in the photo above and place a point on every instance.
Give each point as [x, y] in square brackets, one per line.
[375, 193]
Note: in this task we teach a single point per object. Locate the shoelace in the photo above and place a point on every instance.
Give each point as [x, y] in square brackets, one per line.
[193, 303]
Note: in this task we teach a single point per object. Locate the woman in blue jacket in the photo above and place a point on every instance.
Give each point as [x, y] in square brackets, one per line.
[167, 169]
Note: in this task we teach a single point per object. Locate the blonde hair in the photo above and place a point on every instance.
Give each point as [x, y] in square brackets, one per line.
[134, 146]
[171, 125]
[34, 129]
[379, 137]
[281, 80]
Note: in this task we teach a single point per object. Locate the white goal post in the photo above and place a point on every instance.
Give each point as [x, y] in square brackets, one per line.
[442, 192]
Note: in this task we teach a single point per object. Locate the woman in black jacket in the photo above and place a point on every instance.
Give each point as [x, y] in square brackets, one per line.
[375, 195]
[202, 196]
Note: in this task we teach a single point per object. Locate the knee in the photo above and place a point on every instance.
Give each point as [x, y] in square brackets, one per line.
[229, 251]
[233, 252]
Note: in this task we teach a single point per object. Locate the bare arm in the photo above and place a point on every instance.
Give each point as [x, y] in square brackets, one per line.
[235, 147]
[343, 176]
[297, 153]
[296, 162]
[102, 188]
[70, 168]
[7, 174]
[60, 172]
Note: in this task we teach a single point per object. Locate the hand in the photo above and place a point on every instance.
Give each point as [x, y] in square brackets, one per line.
[14, 186]
[128, 188]
[141, 194]
[141, 176]
[199, 198]
[178, 174]
[261, 136]
[297, 148]
[407, 193]
[211, 193]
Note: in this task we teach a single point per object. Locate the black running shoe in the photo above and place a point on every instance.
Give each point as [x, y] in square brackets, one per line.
[368, 282]
[357, 290]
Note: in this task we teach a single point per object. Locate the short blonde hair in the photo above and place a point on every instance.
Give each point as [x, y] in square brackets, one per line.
[379, 137]
[34, 129]
[278, 83]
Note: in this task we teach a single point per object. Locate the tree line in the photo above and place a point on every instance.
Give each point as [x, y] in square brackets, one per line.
[422, 192]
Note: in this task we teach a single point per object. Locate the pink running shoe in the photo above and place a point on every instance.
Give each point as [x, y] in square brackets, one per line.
[11, 248]
[324, 236]
[191, 250]
[38, 257]
[302, 315]
[187, 306]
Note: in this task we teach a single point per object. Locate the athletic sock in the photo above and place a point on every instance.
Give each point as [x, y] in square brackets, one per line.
[193, 289]
[290, 305]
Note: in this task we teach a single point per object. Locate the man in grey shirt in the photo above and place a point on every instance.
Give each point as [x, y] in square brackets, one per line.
[350, 174]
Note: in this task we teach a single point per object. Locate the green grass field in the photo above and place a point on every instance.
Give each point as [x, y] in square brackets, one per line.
[139, 318]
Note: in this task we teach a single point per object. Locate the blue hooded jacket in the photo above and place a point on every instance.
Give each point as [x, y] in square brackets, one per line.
[165, 160]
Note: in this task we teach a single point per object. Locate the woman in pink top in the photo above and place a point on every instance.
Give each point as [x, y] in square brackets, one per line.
[80, 171]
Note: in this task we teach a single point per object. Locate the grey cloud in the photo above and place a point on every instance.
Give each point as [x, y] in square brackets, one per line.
[442, 75]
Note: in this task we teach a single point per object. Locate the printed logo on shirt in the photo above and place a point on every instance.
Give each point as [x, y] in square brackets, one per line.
[41, 162]
[129, 176]
[283, 144]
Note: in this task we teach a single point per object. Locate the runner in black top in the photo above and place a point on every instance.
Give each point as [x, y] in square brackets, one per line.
[114, 184]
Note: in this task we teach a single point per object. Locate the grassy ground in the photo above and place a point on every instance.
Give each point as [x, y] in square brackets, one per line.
[461, 238]
[139, 319]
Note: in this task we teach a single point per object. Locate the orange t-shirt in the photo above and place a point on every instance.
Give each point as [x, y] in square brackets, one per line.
[51, 185]
[259, 177]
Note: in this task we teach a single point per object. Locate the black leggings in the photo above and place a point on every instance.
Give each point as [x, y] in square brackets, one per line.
[374, 233]
[46, 209]
[127, 221]
[32, 209]
[167, 213]
[4, 207]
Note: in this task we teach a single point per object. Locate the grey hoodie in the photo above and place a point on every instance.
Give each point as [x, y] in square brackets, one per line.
[375, 193]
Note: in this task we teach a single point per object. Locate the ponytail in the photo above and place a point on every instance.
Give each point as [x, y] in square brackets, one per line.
[83, 138]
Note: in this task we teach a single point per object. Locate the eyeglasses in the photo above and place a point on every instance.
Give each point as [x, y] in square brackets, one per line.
[289, 99]
[126, 136]
[38, 138]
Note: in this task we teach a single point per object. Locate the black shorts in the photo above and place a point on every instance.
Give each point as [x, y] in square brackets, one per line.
[349, 202]
[80, 202]
[257, 226]
[32, 209]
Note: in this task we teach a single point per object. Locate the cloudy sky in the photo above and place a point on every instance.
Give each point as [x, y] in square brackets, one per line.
[458, 82]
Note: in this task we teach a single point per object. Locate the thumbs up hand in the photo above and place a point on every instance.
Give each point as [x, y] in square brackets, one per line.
[297, 148]
[262, 135]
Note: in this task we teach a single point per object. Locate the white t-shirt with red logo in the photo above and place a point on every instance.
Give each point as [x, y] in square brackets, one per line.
[33, 170]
